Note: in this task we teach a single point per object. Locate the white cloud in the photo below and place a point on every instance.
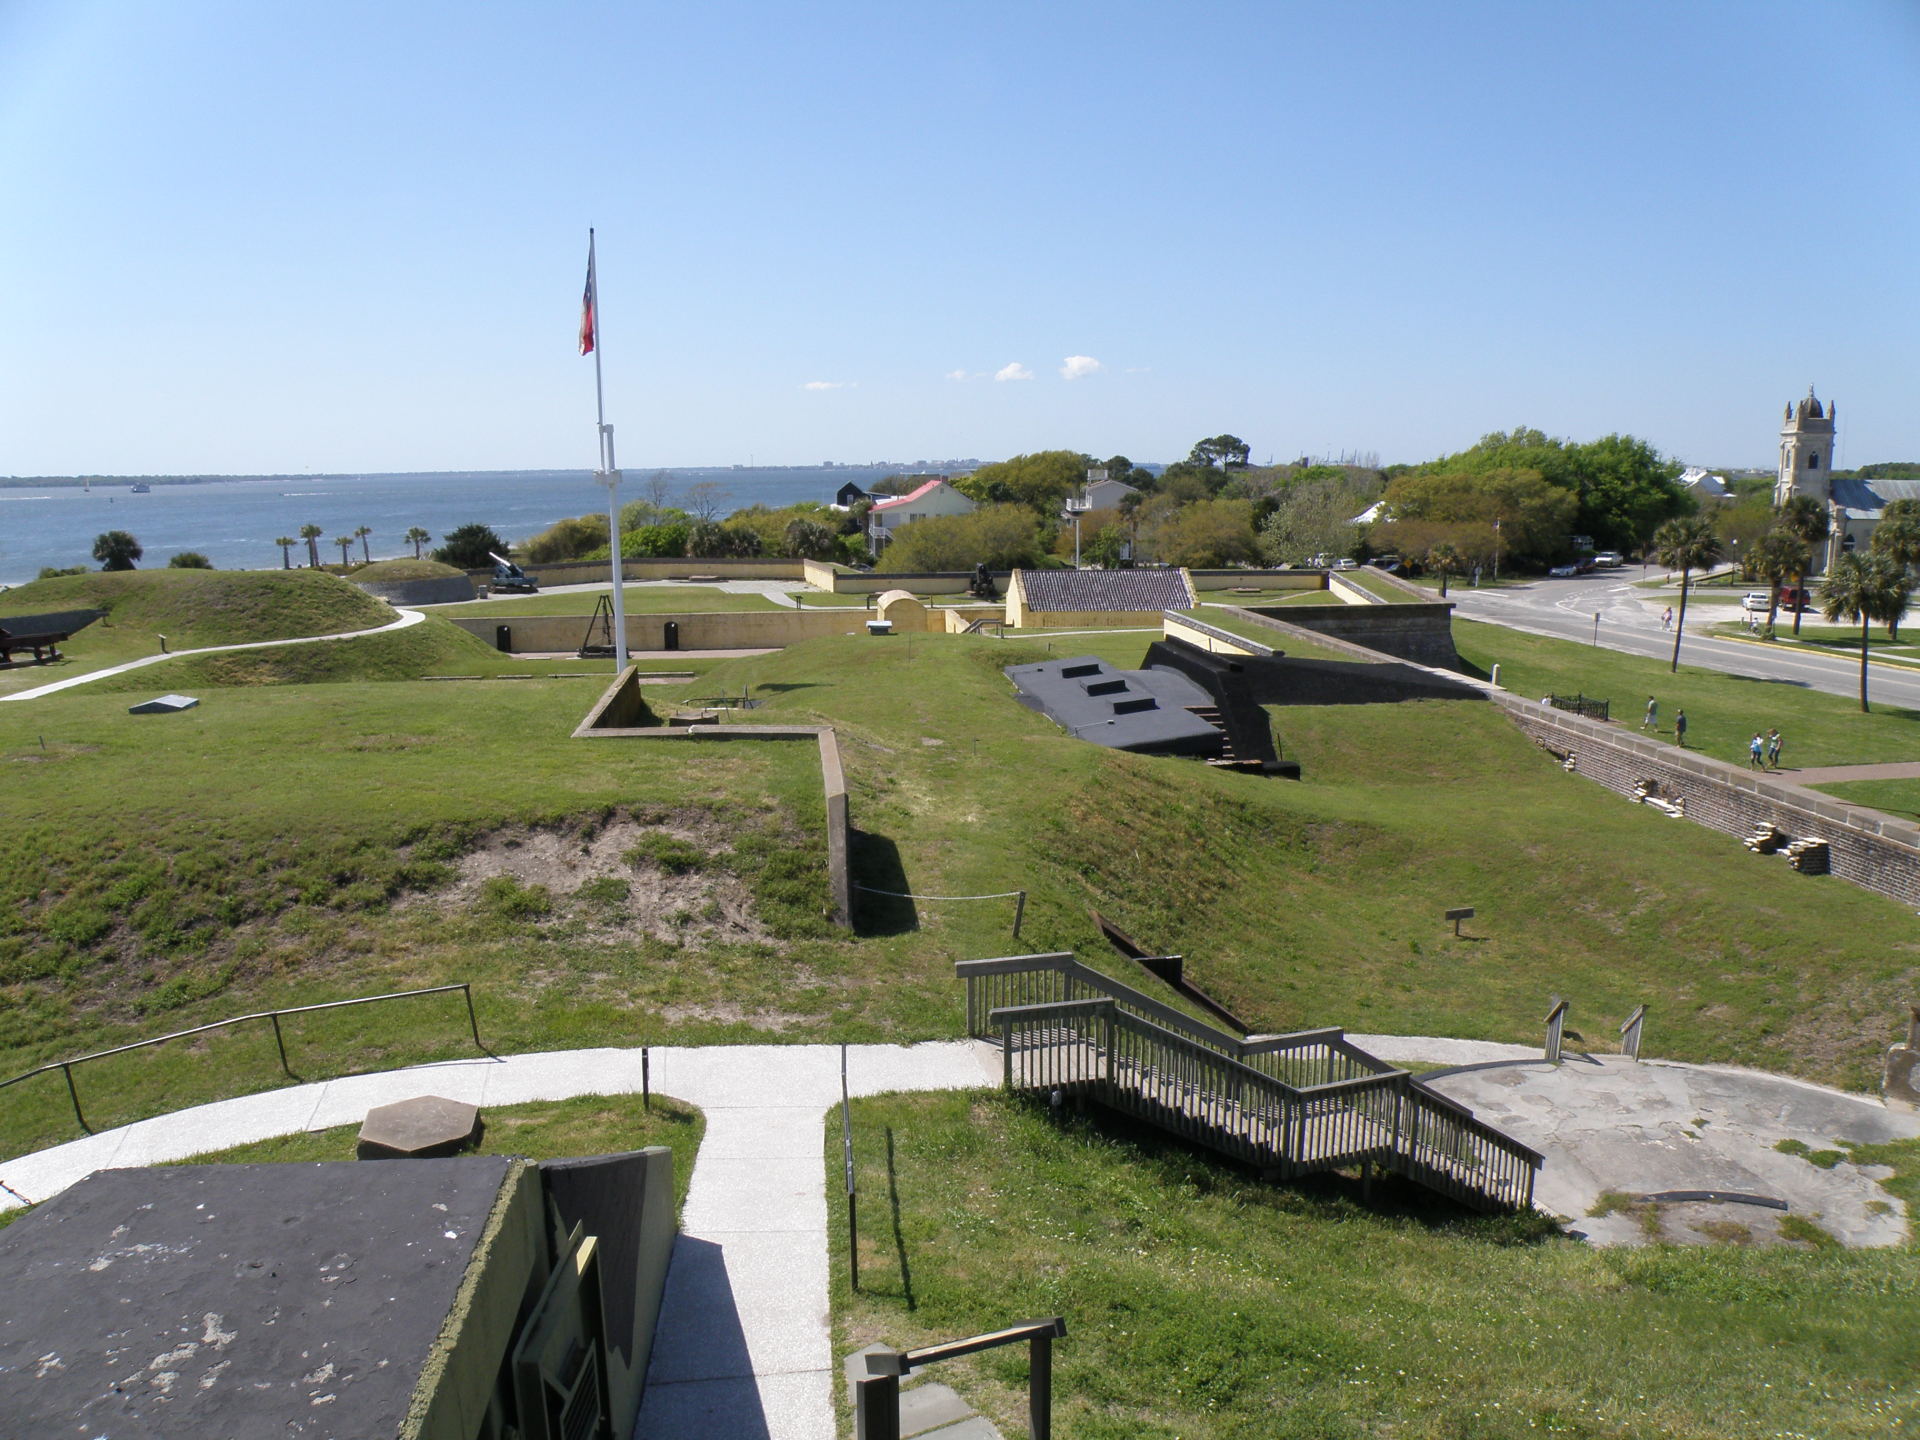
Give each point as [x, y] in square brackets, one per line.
[1013, 371]
[827, 384]
[957, 375]
[1076, 367]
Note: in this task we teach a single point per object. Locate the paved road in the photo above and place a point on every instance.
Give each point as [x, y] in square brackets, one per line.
[1630, 622]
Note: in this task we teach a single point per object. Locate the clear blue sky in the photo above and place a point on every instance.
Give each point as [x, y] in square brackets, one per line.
[351, 236]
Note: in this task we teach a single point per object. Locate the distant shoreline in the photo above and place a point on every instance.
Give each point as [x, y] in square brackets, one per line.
[76, 482]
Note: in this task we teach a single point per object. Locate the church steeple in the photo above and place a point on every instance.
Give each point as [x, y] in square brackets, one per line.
[1806, 451]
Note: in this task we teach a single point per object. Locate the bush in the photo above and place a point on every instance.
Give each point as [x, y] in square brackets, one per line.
[189, 560]
[671, 854]
[505, 897]
[471, 547]
[55, 572]
[568, 540]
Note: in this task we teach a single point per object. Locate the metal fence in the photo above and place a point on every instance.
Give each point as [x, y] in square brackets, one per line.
[66, 1067]
[1580, 705]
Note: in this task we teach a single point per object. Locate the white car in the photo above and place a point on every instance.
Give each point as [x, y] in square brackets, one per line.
[1761, 600]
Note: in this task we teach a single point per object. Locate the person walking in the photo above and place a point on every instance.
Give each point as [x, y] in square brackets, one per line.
[1773, 749]
[1680, 727]
[1666, 619]
[1652, 722]
[1757, 751]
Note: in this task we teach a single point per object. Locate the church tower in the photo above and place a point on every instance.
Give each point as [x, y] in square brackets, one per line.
[1806, 452]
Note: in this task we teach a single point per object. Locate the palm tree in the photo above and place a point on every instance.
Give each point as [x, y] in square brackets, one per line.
[1897, 537]
[417, 537]
[311, 534]
[1444, 560]
[361, 535]
[1806, 518]
[345, 542]
[286, 544]
[1686, 545]
[1777, 557]
[1864, 588]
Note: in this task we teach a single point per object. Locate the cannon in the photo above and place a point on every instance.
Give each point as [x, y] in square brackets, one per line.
[510, 578]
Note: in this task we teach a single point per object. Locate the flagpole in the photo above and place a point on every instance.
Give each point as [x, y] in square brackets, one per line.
[609, 472]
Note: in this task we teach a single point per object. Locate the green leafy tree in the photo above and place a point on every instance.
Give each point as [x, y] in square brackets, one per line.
[1864, 588]
[189, 560]
[1622, 486]
[1532, 515]
[704, 540]
[116, 550]
[345, 542]
[1804, 517]
[361, 534]
[1042, 480]
[571, 539]
[1207, 534]
[417, 537]
[654, 541]
[1002, 537]
[286, 544]
[471, 547]
[1685, 545]
[1777, 557]
[311, 534]
[1107, 550]
[810, 540]
[1897, 537]
[1313, 517]
[1220, 452]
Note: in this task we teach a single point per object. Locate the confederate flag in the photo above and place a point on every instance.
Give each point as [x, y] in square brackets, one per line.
[586, 304]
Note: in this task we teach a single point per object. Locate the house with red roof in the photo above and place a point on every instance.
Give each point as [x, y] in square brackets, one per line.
[935, 498]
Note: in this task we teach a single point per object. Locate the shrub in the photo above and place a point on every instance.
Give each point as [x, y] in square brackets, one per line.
[189, 560]
[505, 897]
[671, 854]
[55, 572]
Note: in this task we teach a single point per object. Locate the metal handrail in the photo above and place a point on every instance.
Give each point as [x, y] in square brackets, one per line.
[279, 1040]
[1230, 1059]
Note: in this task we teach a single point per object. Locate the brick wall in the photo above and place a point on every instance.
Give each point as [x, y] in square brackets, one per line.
[1876, 853]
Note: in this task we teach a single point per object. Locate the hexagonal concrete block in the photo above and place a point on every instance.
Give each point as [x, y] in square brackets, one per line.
[418, 1129]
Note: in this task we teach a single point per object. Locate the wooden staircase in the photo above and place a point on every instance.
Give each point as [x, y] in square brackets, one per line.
[1228, 758]
[1287, 1104]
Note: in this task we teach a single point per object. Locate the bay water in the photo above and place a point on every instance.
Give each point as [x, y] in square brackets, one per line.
[233, 521]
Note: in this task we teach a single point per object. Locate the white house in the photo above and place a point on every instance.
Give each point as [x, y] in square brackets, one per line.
[1101, 494]
[932, 499]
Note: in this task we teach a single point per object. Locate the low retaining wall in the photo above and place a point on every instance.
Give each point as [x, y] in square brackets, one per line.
[1421, 633]
[724, 630]
[621, 713]
[587, 572]
[1872, 851]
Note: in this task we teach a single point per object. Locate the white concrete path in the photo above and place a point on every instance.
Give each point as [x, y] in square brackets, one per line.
[745, 1349]
[407, 617]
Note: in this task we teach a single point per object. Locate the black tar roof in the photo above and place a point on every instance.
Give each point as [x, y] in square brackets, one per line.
[235, 1300]
[1106, 590]
[1121, 709]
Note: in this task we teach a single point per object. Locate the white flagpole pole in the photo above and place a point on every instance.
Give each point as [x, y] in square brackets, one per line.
[608, 475]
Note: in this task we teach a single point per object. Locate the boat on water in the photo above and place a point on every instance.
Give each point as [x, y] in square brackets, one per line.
[143, 489]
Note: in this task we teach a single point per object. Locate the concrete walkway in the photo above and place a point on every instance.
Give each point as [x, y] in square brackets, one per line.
[745, 1341]
[745, 1347]
[1833, 774]
[407, 618]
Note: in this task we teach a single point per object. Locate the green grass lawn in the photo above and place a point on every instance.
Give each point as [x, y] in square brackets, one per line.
[191, 608]
[1896, 797]
[296, 842]
[1203, 1304]
[540, 1130]
[1723, 711]
[1375, 583]
[637, 600]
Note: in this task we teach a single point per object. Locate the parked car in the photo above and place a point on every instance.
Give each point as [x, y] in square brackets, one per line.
[1760, 600]
[1608, 557]
[1563, 572]
[1343, 563]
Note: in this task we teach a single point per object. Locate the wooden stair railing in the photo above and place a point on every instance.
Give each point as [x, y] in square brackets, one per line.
[1289, 1104]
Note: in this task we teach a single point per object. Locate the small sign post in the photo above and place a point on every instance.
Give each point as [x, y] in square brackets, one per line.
[1463, 912]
